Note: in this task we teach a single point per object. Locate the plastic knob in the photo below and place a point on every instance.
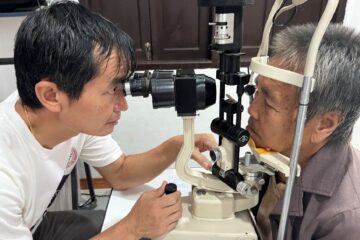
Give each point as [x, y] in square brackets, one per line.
[215, 154]
[170, 188]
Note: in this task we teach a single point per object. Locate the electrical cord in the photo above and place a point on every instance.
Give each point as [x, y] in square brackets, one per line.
[96, 195]
[293, 13]
[90, 203]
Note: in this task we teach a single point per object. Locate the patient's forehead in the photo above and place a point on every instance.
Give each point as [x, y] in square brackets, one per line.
[279, 93]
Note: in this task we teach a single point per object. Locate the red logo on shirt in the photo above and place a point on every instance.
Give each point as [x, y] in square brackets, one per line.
[72, 158]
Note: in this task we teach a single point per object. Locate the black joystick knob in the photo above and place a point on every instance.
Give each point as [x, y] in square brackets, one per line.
[170, 188]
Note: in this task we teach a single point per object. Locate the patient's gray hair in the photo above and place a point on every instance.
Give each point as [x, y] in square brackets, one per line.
[337, 71]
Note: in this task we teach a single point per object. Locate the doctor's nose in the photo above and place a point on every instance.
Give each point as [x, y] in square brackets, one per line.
[120, 104]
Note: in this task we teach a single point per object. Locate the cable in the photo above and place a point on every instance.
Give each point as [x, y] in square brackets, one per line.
[90, 203]
[96, 195]
[293, 13]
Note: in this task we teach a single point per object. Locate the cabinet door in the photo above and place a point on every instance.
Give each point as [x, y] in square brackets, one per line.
[167, 33]
[132, 16]
[179, 30]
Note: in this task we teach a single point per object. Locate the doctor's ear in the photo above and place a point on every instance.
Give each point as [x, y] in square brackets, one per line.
[49, 95]
[325, 125]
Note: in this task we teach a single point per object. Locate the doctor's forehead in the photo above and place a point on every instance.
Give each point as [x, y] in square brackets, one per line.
[114, 65]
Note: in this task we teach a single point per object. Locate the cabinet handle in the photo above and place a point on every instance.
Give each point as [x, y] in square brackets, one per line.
[147, 46]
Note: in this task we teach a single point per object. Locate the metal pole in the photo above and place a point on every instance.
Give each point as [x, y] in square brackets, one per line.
[301, 119]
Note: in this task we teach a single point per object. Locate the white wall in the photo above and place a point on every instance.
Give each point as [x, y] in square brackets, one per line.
[8, 28]
[352, 17]
[7, 80]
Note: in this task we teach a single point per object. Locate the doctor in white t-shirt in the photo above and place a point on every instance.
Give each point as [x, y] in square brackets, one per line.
[70, 64]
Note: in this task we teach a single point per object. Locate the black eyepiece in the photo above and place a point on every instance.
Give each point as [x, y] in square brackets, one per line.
[185, 90]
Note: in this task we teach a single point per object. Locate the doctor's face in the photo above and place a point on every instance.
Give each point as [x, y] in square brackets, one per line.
[99, 107]
[273, 115]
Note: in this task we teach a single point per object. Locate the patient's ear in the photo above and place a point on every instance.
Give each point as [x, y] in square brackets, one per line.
[49, 95]
[325, 125]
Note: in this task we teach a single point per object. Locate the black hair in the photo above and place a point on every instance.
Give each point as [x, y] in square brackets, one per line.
[67, 44]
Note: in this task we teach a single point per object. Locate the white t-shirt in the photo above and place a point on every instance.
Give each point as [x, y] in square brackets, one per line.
[30, 174]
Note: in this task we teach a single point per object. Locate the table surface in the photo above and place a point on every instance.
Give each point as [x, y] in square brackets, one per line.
[121, 202]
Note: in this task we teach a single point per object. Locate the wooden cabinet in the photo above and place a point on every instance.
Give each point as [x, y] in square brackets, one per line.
[128, 15]
[175, 34]
[167, 34]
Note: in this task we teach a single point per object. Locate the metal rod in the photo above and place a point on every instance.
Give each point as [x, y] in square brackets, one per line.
[74, 189]
[90, 183]
[301, 119]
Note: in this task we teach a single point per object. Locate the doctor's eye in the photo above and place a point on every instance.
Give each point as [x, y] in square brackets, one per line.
[114, 89]
[118, 88]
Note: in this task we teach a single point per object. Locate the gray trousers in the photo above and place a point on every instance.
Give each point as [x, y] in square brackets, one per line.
[70, 225]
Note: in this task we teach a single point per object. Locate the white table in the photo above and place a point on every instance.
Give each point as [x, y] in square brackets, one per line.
[121, 202]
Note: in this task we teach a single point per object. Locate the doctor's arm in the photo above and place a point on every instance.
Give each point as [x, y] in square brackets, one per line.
[136, 169]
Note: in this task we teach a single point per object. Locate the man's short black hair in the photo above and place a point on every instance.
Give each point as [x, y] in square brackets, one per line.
[59, 42]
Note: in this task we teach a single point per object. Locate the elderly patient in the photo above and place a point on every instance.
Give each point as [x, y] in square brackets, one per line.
[326, 197]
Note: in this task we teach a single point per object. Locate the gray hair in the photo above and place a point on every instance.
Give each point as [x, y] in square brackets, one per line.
[337, 71]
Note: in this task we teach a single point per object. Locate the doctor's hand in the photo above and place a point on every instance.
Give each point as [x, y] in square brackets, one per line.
[203, 142]
[155, 213]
